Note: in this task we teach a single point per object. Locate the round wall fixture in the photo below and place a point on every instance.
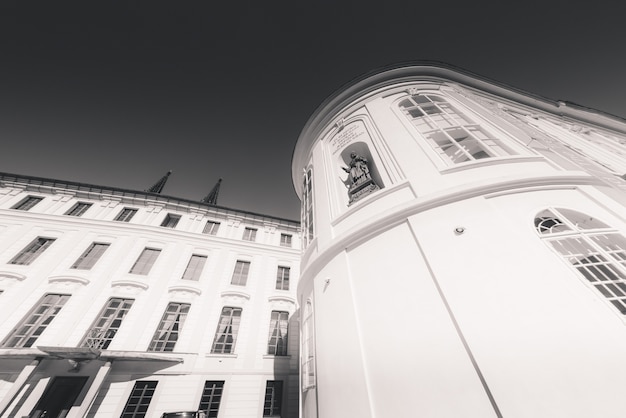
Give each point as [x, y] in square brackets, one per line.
[459, 230]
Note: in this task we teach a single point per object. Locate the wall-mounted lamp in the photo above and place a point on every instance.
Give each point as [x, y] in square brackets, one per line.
[459, 230]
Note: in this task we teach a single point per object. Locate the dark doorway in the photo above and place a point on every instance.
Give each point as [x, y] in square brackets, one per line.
[58, 397]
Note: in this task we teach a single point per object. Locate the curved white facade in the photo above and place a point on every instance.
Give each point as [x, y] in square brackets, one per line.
[485, 276]
[121, 303]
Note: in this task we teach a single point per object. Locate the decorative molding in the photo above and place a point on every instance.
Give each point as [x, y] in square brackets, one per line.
[131, 286]
[235, 296]
[68, 280]
[184, 291]
[9, 275]
[282, 299]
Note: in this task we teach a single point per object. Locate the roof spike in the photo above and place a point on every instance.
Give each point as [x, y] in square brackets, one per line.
[211, 198]
[158, 186]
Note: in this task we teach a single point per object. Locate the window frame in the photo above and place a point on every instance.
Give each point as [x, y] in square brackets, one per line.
[273, 399]
[168, 331]
[288, 242]
[107, 324]
[211, 228]
[145, 266]
[230, 329]
[240, 278]
[78, 209]
[149, 386]
[126, 214]
[91, 261]
[249, 234]
[212, 405]
[278, 338]
[194, 272]
[171, 220]
[307, 209]
[27, 203]
[32, 251]
[283, 274]
[36, 321]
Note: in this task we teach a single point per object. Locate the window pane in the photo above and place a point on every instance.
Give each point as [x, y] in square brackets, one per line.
[91, 255]
[166, 335]
[28, 203]
[139, 399]
[211, 397]
[107, 323]
[194, 267]
[78, 209]
[277, 341]
[273, 398]
[240, 274]
[282, 278]
[211, 228]
[227, 328]
[249, 234]
[145, 261]
[32, 251]
[126, 215]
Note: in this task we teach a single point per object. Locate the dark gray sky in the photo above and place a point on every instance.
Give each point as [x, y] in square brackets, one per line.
[116, 93]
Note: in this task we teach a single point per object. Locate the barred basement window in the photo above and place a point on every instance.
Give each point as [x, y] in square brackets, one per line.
[450, 133]
[596, 251]
[36, 321]
[240, 274]
[285, 240]
[126, 215]
[307, 209]
[194, 267]
[139, 399]
[171, 325]
[91, 255]
[211, 228]
[226, 333]
[282, 278]
[170, 221]
[273, 398]
[211, 397]
[108, 322]
[78, 209]
[145, 261]
[32, 251]
[249, 234]
[279, 326]
[27, 203]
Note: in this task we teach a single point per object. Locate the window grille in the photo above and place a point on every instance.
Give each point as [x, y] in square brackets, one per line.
[139, 399]
[91, 255]
[279, 326]
[170, 327]
[126, 215]
[36, 321]
[591, 247]
[78, 209]
[32, 251]
[450, 133]
[27, 203]
[211, 397]
[273, 398]
[226, 333]
[108, 322]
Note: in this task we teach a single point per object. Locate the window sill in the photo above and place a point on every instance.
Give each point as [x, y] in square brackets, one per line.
[220, 355]
[274, 357]
[490, 161]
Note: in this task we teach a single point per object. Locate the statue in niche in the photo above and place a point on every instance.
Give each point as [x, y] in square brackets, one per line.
[359, 181]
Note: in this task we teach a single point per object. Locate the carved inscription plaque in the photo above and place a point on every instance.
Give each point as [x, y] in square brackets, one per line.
[353, 132]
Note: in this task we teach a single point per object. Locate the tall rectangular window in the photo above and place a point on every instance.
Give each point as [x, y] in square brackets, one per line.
[27, 203]
[78, 209]
[170, 221]
[32, 251]
[226, 333]
[139, 399]
[145, 261]
[194, 267]
[91, 255]
[249, 234]
[273, 398]
[107, 323]
[282, 278]
[307, 209]
[285, 240]
[126, 215]
[36, 321]
[211, 228]
[166, 335]
[211, 397]
[279, 325]
[240, 274]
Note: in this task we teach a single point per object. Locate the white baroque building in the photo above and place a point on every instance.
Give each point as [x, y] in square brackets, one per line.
[117, 303]
[465, 252]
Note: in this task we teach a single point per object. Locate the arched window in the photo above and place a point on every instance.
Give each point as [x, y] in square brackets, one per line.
[595, 250]
[451, 134]
[308, 348]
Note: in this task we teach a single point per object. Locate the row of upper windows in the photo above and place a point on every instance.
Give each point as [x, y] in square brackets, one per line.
[170, 221]
[144, 390]
[106, 325]
[144, 262]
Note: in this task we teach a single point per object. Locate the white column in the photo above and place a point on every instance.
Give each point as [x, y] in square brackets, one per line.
[24, 375]
[103, 372]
